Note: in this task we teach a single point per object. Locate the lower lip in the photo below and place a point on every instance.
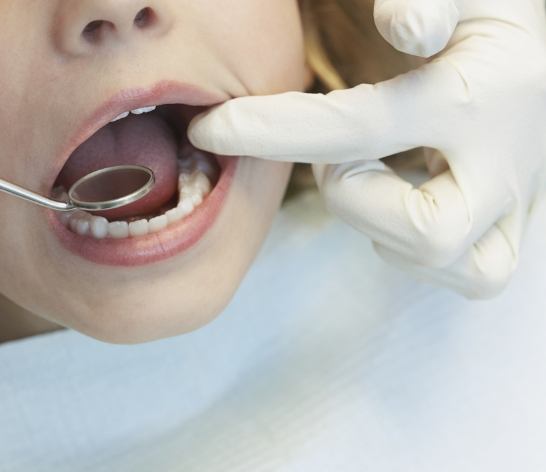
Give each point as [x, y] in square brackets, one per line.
[171, 241]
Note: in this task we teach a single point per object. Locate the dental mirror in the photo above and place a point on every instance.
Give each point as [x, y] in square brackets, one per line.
[104, 189]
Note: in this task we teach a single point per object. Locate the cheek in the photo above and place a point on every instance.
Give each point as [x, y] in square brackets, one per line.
[266, 188]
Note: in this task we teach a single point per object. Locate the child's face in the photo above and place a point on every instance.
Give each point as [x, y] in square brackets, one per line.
[55, 80]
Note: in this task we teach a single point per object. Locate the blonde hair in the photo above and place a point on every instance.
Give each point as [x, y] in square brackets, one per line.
[344, 49]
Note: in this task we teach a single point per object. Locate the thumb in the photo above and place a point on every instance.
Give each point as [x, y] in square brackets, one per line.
[418, 27]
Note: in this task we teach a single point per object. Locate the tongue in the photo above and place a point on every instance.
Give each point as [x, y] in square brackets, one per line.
[138, 140]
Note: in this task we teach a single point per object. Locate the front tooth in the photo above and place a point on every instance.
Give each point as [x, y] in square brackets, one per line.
[82, 227]
[118, 229]
[75, 220]
[73, 223]
[65, 217]
[99, 227]
[140, 111]
[158, 223]
[120, 117]
[139, 228]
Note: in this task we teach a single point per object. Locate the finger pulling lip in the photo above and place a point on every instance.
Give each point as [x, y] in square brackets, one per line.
[175, 238]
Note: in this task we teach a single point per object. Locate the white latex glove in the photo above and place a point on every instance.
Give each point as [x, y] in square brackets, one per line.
[481, 103]
[418, 27]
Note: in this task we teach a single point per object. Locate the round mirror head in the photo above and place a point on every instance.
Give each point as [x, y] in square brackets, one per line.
[112, 187]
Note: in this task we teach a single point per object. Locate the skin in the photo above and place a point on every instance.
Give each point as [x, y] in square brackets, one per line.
[51, 78]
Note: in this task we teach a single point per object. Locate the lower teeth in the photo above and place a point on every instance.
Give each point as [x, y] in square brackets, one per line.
[192, 187]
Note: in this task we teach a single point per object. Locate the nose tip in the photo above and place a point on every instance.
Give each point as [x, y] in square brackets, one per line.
[83, 26]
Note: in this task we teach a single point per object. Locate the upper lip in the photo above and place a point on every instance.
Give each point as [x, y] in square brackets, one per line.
[161, 93]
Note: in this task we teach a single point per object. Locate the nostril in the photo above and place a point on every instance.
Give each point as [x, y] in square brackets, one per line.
[92, 27]
[97, 30]
[93, 30]
[144, 18]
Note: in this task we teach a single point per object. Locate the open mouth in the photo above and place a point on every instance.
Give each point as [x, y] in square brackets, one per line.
[154, 137]
[191, 186]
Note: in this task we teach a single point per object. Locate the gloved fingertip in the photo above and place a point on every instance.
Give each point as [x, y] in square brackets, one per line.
[420, 27]
[196, 132]
[210, 132]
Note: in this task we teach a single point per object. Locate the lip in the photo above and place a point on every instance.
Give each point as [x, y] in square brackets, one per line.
[162, 93]
[177, 237]
[155, 247]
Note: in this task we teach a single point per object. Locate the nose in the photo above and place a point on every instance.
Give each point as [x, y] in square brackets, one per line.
[82, 26]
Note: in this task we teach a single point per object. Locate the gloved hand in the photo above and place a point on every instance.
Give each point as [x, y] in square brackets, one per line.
[481, 103]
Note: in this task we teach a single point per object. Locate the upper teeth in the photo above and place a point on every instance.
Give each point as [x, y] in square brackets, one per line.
[138, 111]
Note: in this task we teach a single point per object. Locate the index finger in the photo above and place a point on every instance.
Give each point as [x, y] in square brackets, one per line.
[365, 122]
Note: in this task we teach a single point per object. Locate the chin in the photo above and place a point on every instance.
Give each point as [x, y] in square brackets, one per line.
[139, 330]
[137, 323]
